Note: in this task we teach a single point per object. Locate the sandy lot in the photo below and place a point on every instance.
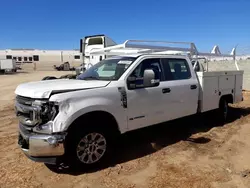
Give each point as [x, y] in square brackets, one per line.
[191, 152]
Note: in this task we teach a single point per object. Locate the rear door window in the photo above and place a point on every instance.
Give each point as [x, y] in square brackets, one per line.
[175, 69]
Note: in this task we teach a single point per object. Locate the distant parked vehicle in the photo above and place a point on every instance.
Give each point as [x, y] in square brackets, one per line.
[8, 65]
[79, 70]
[64, 67]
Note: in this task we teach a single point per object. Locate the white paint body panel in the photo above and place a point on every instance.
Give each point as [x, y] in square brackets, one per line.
[238, 88]
[43, 89]
[215, 84]
[76, 103]
[157, 107]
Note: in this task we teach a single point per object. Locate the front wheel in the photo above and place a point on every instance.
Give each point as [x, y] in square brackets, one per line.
[88, 148]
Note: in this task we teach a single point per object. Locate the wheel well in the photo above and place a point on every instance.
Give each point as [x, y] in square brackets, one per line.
[98, 117]
[228, 98]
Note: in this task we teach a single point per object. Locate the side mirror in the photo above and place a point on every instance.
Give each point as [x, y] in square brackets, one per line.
[196, 66]
[151, 78]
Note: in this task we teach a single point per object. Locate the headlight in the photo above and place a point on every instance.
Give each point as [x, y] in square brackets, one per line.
[48, 112]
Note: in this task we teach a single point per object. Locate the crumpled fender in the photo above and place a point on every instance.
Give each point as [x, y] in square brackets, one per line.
[75, 104]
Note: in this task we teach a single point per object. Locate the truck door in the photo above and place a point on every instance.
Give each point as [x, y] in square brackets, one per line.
[183, 89]
[145, 105]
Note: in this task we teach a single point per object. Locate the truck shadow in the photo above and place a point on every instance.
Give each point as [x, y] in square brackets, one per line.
[139, 143]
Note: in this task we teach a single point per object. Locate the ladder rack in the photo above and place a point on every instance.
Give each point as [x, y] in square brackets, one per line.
[161, 47]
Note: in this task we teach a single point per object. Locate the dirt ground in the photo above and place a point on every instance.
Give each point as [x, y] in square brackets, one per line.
[191, 152]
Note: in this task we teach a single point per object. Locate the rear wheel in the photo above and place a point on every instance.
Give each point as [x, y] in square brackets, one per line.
[223, 110]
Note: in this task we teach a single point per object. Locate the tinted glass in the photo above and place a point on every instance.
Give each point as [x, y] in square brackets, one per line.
[153, 63]
[176, 69]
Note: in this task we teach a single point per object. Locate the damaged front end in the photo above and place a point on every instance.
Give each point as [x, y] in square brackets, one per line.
[36, 137]
[34, 113]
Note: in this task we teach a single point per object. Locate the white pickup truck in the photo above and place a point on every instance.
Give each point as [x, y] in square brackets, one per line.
[79, 119]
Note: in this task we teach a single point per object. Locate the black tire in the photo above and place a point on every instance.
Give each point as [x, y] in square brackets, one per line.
[76, 136]
[70, 76]
[223, 111]
[49, 78]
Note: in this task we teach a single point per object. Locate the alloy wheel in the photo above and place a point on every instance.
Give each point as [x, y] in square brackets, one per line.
[91, 148]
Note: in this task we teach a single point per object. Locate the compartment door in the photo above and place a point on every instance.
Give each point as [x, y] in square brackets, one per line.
[210, 93]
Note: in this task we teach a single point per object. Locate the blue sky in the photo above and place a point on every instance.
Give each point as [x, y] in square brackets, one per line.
[59, 24]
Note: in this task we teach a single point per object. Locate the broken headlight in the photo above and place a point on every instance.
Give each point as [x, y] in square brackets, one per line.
[48, 112]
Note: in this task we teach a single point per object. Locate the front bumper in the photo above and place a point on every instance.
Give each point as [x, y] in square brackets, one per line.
[41, 147]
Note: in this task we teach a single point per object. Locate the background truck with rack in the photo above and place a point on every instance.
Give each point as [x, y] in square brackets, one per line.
[78, 120]
[94, 42]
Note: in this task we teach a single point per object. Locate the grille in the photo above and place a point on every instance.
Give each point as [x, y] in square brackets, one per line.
[28, 115]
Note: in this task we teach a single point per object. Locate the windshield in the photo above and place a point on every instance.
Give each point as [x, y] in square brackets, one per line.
[107, 69]
[94, 41]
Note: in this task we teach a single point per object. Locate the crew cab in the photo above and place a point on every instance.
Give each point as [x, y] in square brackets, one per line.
[79, 119]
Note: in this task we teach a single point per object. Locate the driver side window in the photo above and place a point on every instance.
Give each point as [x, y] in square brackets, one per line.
[153, 63]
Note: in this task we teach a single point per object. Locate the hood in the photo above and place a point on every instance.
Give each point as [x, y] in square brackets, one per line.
[43, 89]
